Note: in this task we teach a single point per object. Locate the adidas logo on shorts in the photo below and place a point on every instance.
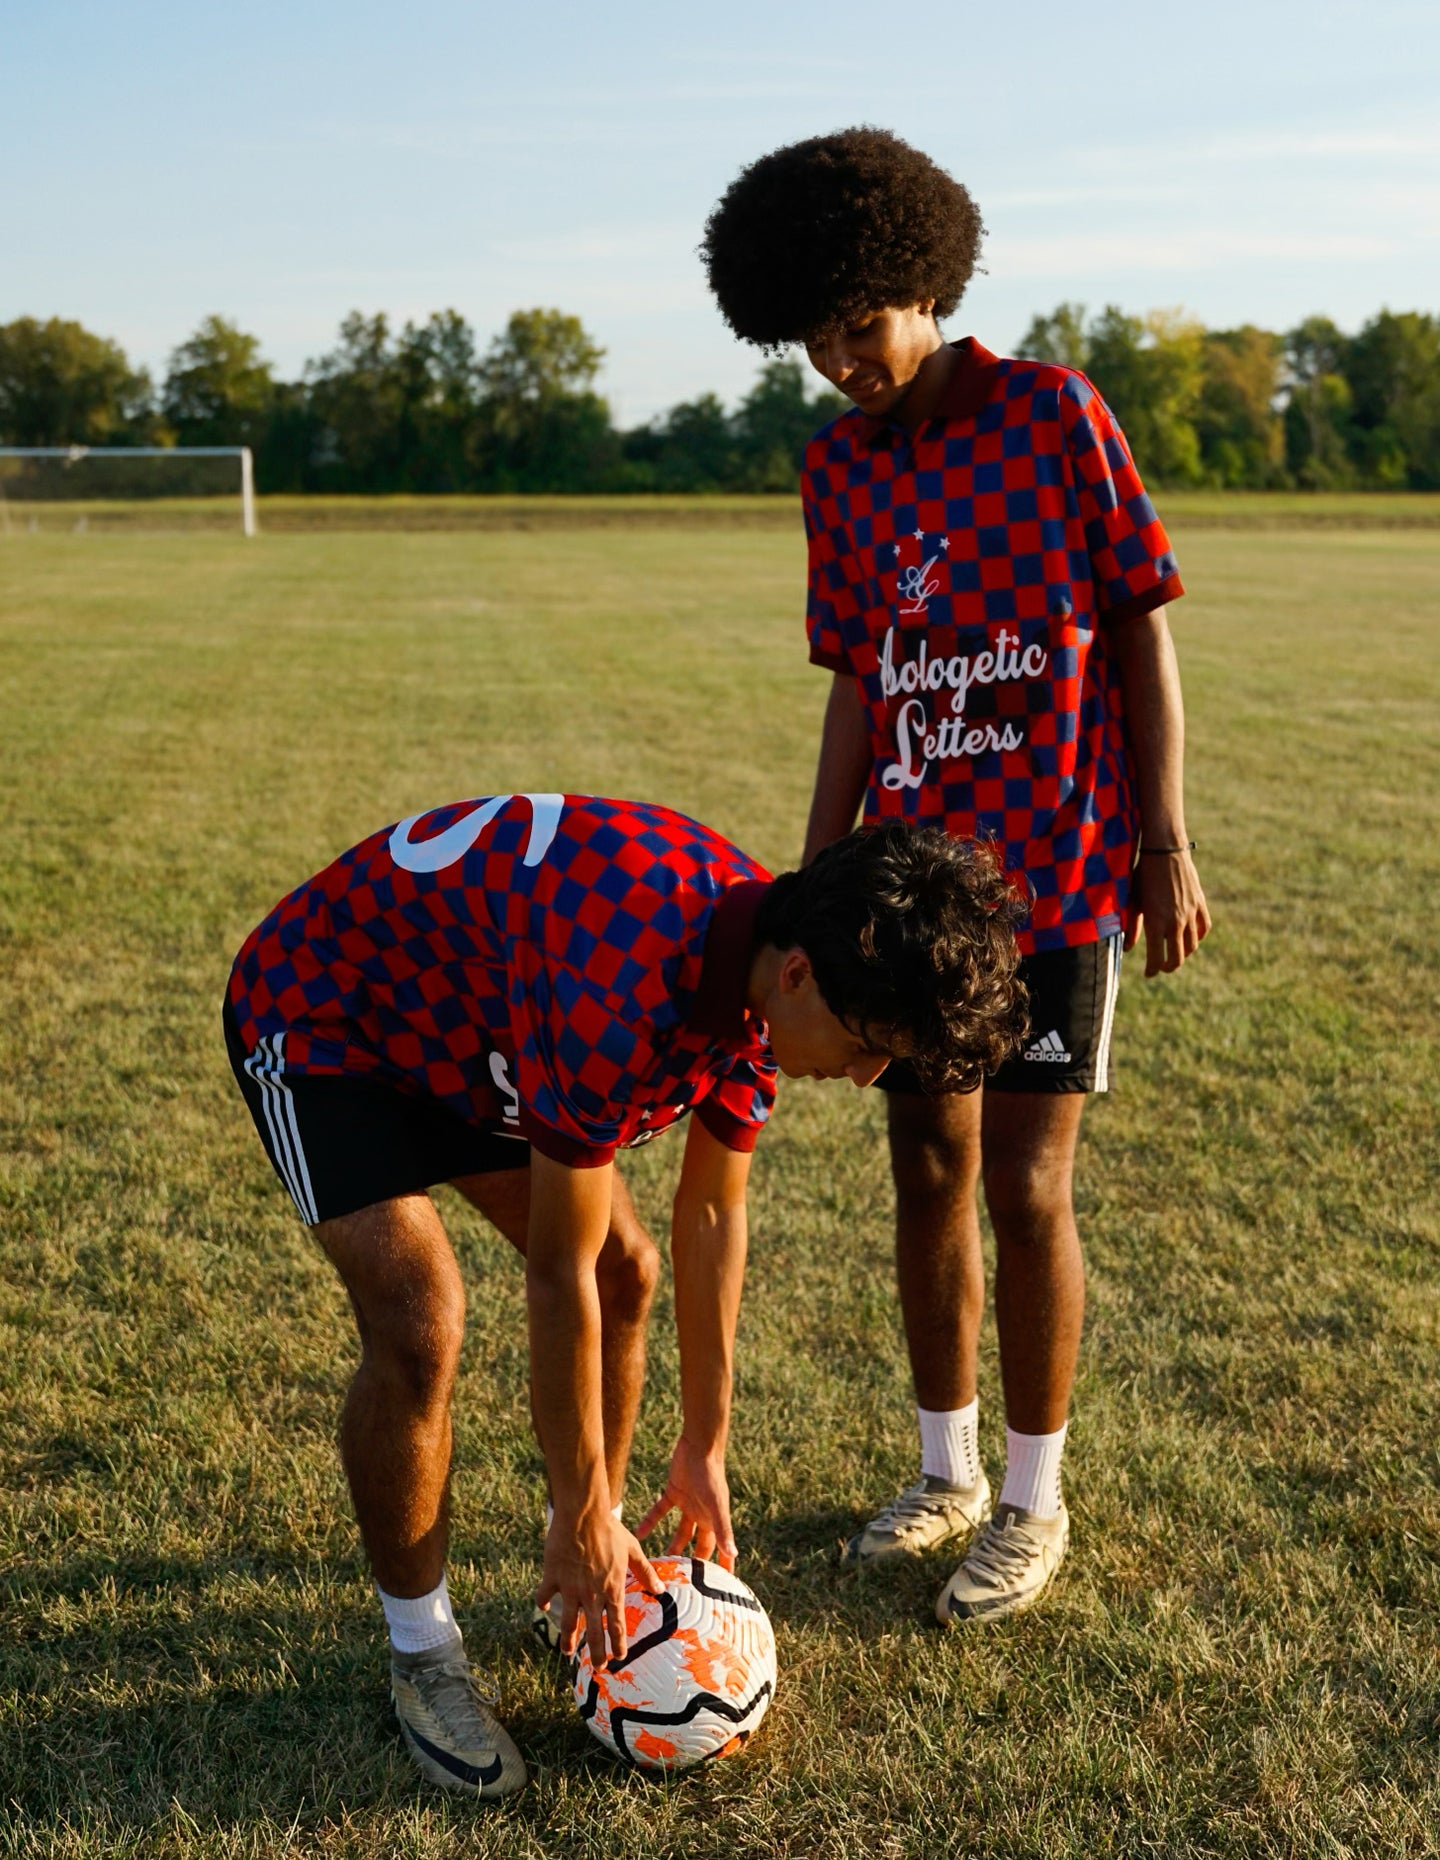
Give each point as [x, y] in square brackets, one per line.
[1048, 1049]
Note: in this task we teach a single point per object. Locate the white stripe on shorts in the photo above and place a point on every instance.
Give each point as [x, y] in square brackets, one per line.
[266, 1065]
[1107, 1017]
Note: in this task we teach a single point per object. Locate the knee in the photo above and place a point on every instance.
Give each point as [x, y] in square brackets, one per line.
[412, 1331]
[929, 1162]
[627, 1272]
[1029, 1200]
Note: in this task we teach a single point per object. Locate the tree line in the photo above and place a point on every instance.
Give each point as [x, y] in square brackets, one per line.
[423, 409]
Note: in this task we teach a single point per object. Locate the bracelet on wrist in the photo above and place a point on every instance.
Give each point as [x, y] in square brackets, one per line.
[1166, 851]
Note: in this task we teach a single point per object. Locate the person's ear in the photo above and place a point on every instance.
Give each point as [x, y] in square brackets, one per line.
[795, 971]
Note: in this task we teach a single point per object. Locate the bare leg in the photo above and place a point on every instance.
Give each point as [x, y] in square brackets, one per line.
[935, 1159]
[1029, 1144]
[625, 1274]
[409, 1305]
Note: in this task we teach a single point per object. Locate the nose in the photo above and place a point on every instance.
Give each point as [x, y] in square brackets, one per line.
[831, 358]
[866, 1071]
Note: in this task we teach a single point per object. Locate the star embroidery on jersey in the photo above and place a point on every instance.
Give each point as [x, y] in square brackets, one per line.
[944, 542]
[919, 535]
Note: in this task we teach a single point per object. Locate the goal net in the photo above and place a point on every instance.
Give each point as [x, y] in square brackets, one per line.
[126, 487]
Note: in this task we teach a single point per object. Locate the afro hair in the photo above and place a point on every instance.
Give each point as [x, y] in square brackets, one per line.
[819, 235]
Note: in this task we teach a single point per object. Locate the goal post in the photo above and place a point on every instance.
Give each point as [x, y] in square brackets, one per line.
[47, 477]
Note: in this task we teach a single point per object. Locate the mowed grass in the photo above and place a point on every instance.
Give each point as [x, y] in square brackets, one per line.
[1240, 1656]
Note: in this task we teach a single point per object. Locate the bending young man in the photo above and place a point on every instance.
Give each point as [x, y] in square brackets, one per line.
[987, 587]
[502, 994]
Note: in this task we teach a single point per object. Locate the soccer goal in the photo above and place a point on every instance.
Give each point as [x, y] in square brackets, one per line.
[126, 487]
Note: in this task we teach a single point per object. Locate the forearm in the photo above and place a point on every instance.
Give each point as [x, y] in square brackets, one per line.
[564, 1314]
[568, 1221]
[708, 1249]
[843, 768]
[1155, 725]
[1167, 898]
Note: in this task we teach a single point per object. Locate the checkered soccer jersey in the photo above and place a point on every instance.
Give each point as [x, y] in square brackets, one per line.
[965, 577]
[570, 969]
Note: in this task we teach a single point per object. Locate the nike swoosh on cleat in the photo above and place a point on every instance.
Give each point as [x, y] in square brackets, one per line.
[457, 1766]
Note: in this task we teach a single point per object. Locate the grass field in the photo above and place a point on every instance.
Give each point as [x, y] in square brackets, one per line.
[283, 515]
[1242, 1654]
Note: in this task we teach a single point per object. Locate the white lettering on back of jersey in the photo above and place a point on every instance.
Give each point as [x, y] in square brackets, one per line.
[434, 855]
[500, 1072]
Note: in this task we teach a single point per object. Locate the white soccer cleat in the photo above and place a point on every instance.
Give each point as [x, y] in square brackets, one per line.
[448, 1725]
[925, 1517]
[1008, 1567]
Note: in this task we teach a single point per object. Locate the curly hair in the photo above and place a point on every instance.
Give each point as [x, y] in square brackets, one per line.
[912, 932]
[817, 236]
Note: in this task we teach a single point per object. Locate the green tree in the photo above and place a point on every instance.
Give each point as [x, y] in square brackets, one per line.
[219, 391]
[540, 425]
[438, 381]
[689, 449]
[355, 399]
[1150, 370]
[1317, 414]
[774, 422]
[1392, 368]
[62, 385]
[1060, 337]
[1236, 420]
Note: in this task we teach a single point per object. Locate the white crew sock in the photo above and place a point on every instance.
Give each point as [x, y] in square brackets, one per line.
[1032, 1472]
[950, 1444]
[419, 1621]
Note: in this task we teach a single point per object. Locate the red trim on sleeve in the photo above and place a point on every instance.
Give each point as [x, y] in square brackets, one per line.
[832, 661]
[730, 1131]
[563, 1149]
[1161, 595]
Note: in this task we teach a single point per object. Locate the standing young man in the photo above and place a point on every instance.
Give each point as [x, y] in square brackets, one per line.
[987, 587]
[502, 994]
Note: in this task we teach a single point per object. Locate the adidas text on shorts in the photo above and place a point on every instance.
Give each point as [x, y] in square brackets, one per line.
[340, 1142]
[1072, 1015]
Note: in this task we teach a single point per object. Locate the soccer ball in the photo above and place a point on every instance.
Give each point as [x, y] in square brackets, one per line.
[699, 1675]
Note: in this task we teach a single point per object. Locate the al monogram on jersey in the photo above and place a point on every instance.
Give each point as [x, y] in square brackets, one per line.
[531, 961]
[966, 577]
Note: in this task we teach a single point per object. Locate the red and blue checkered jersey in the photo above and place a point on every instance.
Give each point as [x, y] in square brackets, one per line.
[966, 576]
[570, 969]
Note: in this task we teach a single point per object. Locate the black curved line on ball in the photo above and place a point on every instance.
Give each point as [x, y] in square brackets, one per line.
[669, 1615]
[697, 1579]
[702, 1701]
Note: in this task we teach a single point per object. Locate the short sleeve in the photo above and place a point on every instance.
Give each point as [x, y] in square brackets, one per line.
[830, 600]
[574, 1059]
[1132, 563]
[738, 1105]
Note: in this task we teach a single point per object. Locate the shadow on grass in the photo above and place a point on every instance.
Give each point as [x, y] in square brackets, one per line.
[246, 1693]
[229, 1691]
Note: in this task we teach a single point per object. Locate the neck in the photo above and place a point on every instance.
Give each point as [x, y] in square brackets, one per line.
[764, 973]
[928, 384]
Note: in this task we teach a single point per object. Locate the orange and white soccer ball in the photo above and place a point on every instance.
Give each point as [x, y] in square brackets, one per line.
[699, 1675]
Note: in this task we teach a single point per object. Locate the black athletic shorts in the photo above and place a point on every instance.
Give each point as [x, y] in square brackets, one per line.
[1072, 1012]
[339, 1142]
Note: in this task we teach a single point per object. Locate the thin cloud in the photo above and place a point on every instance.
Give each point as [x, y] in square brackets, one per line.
[1201, 249]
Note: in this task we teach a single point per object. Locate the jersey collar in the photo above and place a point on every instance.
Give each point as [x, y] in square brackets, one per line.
[972, 382]
[719, 1003]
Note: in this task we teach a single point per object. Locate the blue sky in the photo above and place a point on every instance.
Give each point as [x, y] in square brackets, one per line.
[283, 164]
